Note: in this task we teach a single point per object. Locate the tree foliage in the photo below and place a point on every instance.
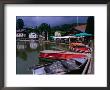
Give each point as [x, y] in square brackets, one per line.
[19, 24]
[44, 27]
[90, 25]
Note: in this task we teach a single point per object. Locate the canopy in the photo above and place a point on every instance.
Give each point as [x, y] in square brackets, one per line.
[65, 37]
[83, 34]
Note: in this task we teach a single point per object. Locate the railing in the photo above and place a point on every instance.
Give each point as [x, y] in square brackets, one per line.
[87, 67]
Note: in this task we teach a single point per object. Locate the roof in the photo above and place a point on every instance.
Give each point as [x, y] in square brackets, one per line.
[22, 30]
[81, 27]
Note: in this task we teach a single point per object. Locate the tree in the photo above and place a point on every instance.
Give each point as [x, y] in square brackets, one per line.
[19, 24]
[36, 30]
[65, 27]
[90, 25]
[44, 27]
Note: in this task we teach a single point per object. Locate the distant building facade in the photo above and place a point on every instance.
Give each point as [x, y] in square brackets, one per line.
[21, 34]
[57, 34]
[33, 35]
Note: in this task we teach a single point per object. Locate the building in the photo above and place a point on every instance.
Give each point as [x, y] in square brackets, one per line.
[78, 29]
[21, 34]
[81, 27]
[57, 34]
[33, 35]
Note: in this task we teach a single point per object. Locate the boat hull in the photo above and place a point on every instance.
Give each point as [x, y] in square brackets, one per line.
[60, 56]
[80, 67]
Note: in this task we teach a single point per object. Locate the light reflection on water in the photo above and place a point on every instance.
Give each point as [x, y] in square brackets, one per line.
[27, 54]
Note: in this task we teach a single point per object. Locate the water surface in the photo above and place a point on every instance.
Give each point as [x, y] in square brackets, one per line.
[27, 53]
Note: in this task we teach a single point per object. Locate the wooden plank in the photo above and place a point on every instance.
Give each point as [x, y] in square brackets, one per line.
[86, 67]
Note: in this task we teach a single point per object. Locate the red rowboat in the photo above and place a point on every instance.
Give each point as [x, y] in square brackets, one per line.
[61, 55]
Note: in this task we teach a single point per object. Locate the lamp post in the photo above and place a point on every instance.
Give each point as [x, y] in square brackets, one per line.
[77, 20]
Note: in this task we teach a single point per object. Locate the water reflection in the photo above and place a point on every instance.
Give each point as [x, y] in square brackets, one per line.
[21, 45]
[26, 56]
[27, 53]
[33, 45]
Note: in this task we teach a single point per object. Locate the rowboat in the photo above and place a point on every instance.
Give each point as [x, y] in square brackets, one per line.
[76, 44]
[79, 47]
[72, 66]
[50, 55]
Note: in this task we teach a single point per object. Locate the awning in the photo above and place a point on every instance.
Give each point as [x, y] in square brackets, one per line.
[83, 34]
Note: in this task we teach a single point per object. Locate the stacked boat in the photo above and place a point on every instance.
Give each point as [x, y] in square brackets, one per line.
[61, 62]
[64, 62]
[79, 47]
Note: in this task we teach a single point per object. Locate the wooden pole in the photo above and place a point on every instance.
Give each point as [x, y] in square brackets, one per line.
[69, 40]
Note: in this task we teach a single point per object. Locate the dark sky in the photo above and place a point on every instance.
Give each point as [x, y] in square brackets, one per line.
[52, 20]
